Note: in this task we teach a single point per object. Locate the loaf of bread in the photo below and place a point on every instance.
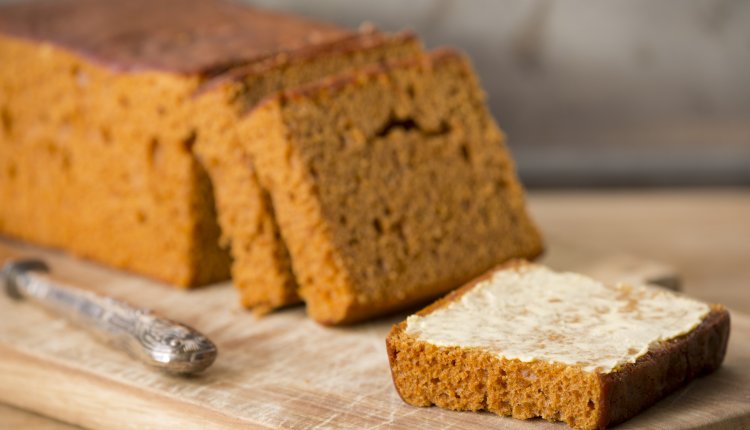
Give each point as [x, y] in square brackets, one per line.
[100, 117]
[525, 341]
[126, 124]
[390, 185]
[261, 268]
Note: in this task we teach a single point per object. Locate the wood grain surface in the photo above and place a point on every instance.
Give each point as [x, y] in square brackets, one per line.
[286, 371]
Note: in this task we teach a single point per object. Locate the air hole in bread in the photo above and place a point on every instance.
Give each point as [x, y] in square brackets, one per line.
[394, 124]
[189, 142]
[377, 225]
[154, 150]
[465, 153]
[6, 120]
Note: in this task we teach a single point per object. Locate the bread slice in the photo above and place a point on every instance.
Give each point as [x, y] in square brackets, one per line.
[261, 269]
[390, 185]
[526, 342]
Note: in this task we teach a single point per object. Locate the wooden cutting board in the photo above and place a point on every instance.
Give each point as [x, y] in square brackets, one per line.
[284, 371]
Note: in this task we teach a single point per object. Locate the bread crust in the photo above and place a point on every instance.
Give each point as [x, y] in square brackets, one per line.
[185, 37]
[340, 80]
[363, 40]
[636, 386]
[622, 393]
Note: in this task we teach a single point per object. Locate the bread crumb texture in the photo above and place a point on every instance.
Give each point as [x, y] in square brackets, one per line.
[390, 186]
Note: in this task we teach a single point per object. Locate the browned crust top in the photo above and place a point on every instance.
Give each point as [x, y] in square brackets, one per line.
[333, 84]
[183, 36]
[366, 38]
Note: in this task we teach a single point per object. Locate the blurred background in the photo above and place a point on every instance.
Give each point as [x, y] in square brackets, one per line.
[592, 93]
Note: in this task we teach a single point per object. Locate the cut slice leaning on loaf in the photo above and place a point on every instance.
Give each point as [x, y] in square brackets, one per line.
[390, 185]
[261, 270]
[527, 342]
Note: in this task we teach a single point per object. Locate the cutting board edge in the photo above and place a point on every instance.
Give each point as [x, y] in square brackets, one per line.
[64, 384]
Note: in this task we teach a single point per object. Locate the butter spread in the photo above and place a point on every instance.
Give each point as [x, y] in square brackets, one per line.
[533, 313]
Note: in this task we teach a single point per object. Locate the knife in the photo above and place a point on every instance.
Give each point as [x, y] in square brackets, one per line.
[158, 342]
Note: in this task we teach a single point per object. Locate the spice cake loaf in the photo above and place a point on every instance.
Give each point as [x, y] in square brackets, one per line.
[99, 120]
[524, 341]
[390, 185]
[261, 269]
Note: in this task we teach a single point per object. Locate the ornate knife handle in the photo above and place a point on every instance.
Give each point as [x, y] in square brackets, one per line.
[155, 341]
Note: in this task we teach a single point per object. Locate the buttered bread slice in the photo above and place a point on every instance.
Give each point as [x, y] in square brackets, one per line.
[526, 341]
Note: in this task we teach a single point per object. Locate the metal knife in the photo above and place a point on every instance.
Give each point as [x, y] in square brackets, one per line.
[151, 339]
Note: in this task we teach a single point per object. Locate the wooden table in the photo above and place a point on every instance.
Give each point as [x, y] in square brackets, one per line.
[704, 234]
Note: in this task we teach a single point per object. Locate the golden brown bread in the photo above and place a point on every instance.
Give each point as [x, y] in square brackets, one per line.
[100, 163]
[475, 379]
